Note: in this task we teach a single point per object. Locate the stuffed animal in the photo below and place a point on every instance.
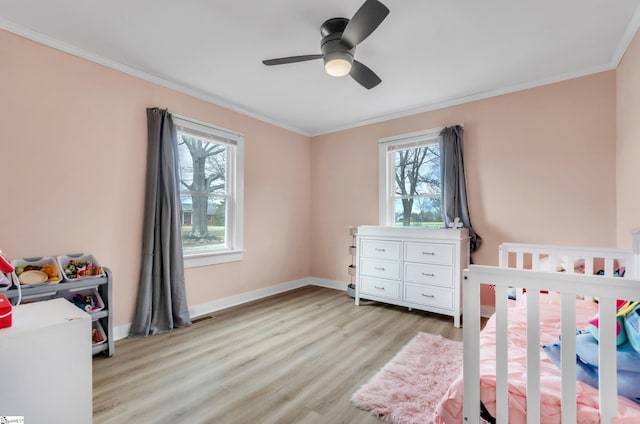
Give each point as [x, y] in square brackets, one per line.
[632, 326]
[627, 352]
[628, 361]
[623, 307]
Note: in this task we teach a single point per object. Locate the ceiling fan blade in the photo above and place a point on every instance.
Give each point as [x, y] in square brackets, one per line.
[363, 75]
[364, 22]
[291, 59]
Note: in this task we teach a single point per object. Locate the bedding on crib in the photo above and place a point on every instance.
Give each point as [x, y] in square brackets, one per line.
[450, 409]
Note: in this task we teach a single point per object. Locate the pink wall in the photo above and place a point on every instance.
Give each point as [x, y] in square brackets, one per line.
[540, 168]
[72, 149]
[628, 146]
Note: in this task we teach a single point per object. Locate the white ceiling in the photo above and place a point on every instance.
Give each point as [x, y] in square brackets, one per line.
[428, 53]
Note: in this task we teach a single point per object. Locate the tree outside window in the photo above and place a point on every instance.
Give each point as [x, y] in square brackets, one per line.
[409, 180]
[203, 166]
[417, 187]
[211, 192]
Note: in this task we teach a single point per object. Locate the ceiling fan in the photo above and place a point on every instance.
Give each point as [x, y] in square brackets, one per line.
[340, 36]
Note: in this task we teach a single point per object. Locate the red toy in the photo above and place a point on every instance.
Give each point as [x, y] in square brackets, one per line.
[6, 311]
[5, 265]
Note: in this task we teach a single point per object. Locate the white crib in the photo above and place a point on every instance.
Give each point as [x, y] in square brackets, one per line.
[569, 284]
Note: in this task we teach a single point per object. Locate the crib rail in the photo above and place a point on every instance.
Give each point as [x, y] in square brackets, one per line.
[570, 285]
[541, 257]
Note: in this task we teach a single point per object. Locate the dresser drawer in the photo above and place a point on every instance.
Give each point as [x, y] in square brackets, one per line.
[379, 268]
[380, 288]
[435, 275]
[428, 296]
[381, 249]
[430, 253]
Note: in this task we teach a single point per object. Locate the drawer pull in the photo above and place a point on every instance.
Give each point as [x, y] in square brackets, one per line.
[428, 295]
[379, 268]
[379, 287]
[380, 250]
[429, 253]
[428, 275]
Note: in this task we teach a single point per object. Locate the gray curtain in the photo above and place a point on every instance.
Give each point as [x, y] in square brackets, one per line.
[452, 181]
[162, 303]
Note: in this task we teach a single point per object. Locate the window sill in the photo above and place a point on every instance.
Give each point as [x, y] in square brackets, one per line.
[211, 258]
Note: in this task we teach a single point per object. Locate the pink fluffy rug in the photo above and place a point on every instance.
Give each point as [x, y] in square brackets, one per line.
[408, 388]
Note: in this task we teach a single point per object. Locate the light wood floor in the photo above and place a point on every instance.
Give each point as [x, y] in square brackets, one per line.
[292, 358]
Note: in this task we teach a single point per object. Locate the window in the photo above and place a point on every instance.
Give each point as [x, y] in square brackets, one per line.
[211, 192]
[410, 180]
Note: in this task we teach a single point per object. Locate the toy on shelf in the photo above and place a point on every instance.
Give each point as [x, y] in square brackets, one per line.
[98, 335]
[79, 265]
[89, 302]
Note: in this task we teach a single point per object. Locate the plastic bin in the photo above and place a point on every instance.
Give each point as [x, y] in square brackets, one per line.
[98, 336]
[46, 264]
[79, 266]
[89, 300]
[351, 290]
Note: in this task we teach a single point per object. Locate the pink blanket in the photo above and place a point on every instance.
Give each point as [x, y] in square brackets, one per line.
[450, 408]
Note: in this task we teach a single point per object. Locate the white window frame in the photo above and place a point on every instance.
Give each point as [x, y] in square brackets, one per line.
[234, 214]
[386, 167]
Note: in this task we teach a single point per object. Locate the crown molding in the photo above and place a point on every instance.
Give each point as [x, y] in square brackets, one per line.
[467, 99]
[181, 88]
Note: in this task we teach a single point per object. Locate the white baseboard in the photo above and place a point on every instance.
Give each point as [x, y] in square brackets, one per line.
[330, 284]
[122, 331]
[238, 299]
[487, 311]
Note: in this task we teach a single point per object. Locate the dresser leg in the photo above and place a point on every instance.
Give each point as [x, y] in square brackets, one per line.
[456, 321]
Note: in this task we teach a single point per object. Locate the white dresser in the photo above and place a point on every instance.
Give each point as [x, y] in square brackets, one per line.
[414, 267]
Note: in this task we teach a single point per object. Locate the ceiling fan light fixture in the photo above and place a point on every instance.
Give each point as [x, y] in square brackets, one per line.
[340, 36]
[338, 64]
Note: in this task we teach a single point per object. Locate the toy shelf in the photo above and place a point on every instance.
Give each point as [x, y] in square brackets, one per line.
[103, 286]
